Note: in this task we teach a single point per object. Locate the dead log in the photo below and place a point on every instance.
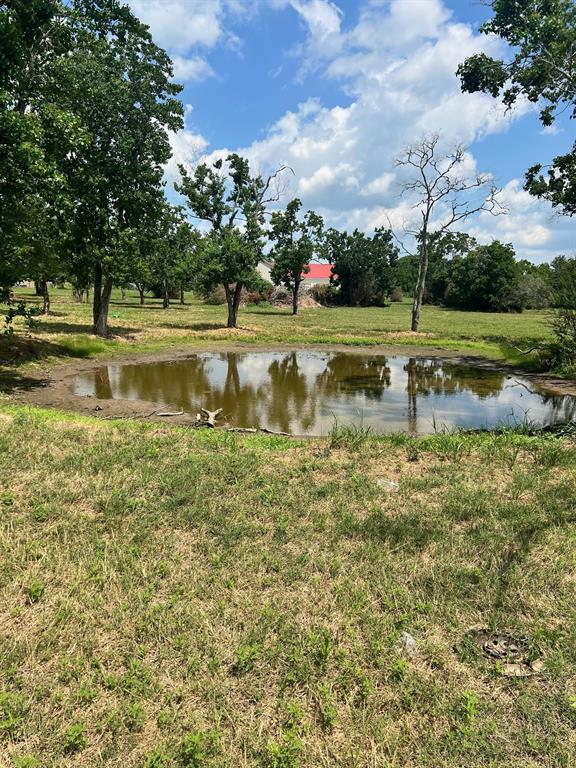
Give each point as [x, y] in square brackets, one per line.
[170, 413]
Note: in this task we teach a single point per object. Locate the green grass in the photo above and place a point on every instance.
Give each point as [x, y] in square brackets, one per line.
[150, 328]
[177, 598]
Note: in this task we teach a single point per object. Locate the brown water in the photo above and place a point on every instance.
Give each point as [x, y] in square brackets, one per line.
[302, 392]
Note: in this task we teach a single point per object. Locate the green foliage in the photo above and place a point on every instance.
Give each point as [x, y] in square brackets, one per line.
[227, 255]
[363, 266]
[531, 292]
[562, 350]
[13, 710]
[487, 279]
[562, 277]
[86, 100]
[35, 590]
[75, 738]
[196, 748]
[556, 182]
[542, 36]
[21, 309]
[295, 244]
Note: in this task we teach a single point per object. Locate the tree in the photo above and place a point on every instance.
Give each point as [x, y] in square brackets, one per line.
[233, 203]
[37, 134]
[563, 282]
[119, 83]
[444, 194]
[487, 279]
[296, 243]
[172, 252]
[363, 266]
[542, 36]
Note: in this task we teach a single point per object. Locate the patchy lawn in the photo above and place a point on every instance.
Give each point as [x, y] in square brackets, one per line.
[173, 599]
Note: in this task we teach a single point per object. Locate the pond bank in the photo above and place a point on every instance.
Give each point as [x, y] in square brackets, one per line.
[52, 385]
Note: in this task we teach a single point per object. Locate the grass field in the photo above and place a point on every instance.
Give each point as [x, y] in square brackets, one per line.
[178, 599]
[175, 598]
[135, 328]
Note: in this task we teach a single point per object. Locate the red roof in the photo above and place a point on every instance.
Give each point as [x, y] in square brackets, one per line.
[318, 272]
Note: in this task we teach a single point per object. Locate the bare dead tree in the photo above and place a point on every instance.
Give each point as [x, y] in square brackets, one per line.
[444, 194]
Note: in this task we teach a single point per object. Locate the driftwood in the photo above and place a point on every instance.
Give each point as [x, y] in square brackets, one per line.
[170, 413]
[253, 431]
[209, 419]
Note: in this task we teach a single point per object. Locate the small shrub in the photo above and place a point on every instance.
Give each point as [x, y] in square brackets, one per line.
[215, 296]
[562, 350]
[325, 294]
[75, 737]
[35, 591]
[13, 711]
[157, 759]
[397, 294]
[196, 748]
[258, 290]
[285, 753]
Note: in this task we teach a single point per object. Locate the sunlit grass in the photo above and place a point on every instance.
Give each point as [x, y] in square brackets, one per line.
[150, 328]
[180, 598]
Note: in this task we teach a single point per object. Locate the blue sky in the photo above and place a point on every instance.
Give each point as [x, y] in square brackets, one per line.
[336, 89]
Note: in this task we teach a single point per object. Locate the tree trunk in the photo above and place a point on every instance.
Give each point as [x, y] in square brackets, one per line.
[233, 300]
[420, 282]
[295, 298]
[165, 295]
[39, 287]
[46, 297]
[101, 303]
[123, 293]
[141, 292]
[182, 295]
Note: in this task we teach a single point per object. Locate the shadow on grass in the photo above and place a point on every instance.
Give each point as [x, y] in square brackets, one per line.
[523, 542]
[408, 532]
[16, 350]
[195, 326]
[48, 326]
[272, 312]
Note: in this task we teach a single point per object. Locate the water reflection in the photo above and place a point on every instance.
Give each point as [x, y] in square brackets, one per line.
[303, 391]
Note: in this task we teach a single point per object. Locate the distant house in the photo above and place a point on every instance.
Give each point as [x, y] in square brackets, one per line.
[318, 274]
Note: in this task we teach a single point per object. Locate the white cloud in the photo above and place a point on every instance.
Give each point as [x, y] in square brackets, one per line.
[180, 25]
[194, 68]
[183, 27]
[396, 67]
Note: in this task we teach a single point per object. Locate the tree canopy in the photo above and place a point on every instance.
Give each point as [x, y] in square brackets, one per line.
[541, 68]
[295, 242]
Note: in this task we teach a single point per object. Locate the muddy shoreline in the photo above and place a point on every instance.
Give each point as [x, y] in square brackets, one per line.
[51, 385]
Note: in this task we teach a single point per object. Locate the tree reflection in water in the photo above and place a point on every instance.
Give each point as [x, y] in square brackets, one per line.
[301, 391]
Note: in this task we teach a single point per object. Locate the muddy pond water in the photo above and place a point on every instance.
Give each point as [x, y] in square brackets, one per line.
[304, 391]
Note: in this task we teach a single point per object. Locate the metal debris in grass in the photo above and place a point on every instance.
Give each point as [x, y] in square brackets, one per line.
[515, 656]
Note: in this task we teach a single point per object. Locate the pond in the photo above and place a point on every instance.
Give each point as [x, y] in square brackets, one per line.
[302, 392]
